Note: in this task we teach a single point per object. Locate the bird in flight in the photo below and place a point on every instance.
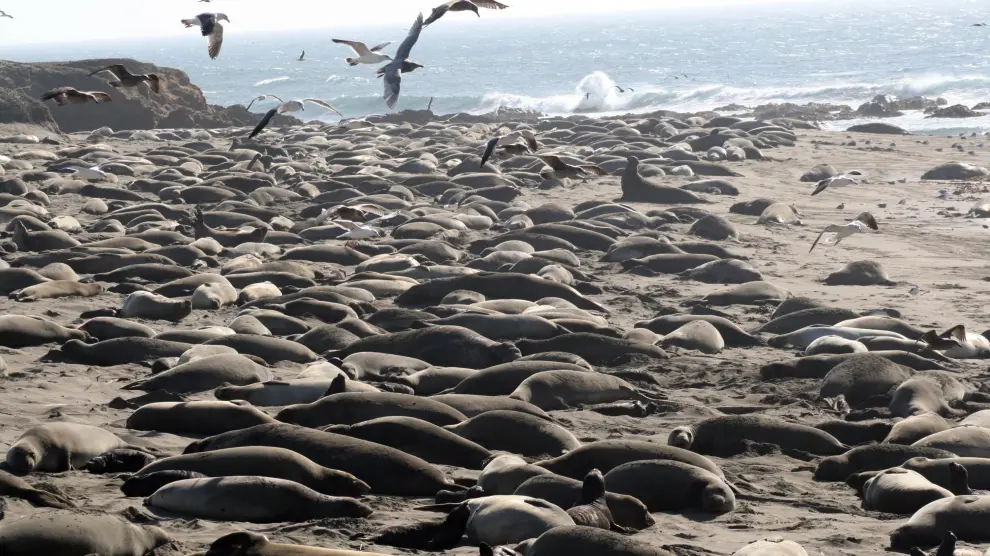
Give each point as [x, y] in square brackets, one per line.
[835, 233]
[562, 169]
[841, 180]
[291, 106]
[509, 142]
[209, 24]
[5, 14]
[463, 6]
[365, 55]
[68, 95]
[302, 57]
[621, 90]
[128, 79]
[392, 72]
[263, 98]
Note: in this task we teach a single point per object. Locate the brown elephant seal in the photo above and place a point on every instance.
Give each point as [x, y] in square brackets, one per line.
[121, 351]
[57, 447]
[964, 441]
[627, 511]
[152, 306]
[606, 455]
[445, 346]
[517, 433]
[854, 433]
[418, 438]
[121, 460]
[666, 485]
[591, 510]
[940, 472]
[900, 491]
[56, 289]
[19, 488]
[496, 286]
[771, 547]
[65, 533]
[637, 189]
[349, 408]
[863, 376]
[562, 389]
[872, 458]
[244, 543]
[204, 374]
[916, 427]
[200, 417]
[386, 470]
[497, 520]
[959, 477]
[725, 436]
[502, 380]
[928, 392]
[146, 485]
[17, 331]
[966, 516]
[587, 541]
[234, 499]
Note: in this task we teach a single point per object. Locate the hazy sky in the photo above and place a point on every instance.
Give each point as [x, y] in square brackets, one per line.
[77, 20]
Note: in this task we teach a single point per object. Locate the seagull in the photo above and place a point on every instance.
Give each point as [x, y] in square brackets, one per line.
[407, 67]
[68, 95]
[5, 14]
[563, 170]
[209, 24]
[836, 232]
[463, 6]
[365, 55]
[841, 180]
[128, 79]
[621, 90]
[510, 140]
[392, 72]
[302, 57]
[262, 98]
[291, 106]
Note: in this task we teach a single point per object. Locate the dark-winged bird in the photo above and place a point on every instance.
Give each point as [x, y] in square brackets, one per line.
[463, 6]
[392, 72]
[128, 79]
[209, 24]
[68, 95]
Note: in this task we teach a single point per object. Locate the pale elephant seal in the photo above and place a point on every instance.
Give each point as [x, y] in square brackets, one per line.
[151, 306]
[965, 441]
[627, 511]
[587, 541]
[260, 290]
[244, 543]
[900, 491]
[66, 533]
[874, 457]
[517, 433]
[56, 289]
[434, 380]
[472, 405]
[19, 488]
[565, 389]
[498, 520]
[771, 547]
[940, 472]
[146, 485]
[504, 473]
[418, 438]
[272, 350]
[213, 296]
[201, 417]
[665, 485]
[834, 344]
[234, 499]
[609, 454]
[17, 331]
[725, 436]
[105, 328]
[57, 447]
[204, 374]
[927, 392]
[966, 516]
[803, 338]
[696, 335]
[349, 408]
[916, 427]
[502, 380]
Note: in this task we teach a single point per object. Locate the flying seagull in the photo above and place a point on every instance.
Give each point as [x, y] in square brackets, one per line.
[68, 95]
[365, 55]
[463, 6]
[510, 140]
[562, 169]
[291, 106]
[128, 79]
[836, 232]
[209, 24]
[621, 90]
[841, 180]
[5, 14]
[262, 98]
[302, 57]
[407, 67]
[392, 72]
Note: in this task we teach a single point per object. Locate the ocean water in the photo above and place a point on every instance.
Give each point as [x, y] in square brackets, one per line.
[835, 51]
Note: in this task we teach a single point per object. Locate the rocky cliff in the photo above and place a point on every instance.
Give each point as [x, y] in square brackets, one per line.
[179, 105]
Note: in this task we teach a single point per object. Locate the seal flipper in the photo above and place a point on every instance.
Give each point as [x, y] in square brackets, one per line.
[452, 529]
[337, 386]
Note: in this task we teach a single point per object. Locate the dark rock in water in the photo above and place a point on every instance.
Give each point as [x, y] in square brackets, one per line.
[882, 106]
[954, 111]
[880, 128]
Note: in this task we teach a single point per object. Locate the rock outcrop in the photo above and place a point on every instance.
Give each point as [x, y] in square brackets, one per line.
[181, 104]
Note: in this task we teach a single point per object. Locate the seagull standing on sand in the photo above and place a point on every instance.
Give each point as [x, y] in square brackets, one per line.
[392, 72]
[562, 169]
[463, 6]
[209, 24]
[365, 55]
[835, 232]
[841, 180]
[291, 106]
[5, 14]
[511, 140]
[128, 79]
[68, 95]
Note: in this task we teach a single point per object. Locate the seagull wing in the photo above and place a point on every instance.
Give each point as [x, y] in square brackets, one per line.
[117, 69]
[358, 47]
[57, 92]
[405, 48]
[868, 220]
[264, 121]
[530, 139]
[393, 83]
[833, 230]
[553, 161]
[439, 11]
[324, 104]
[593, 169]
[822, 186]
[215, 40]
[490, 4]
[489, 150]
[97, 96]
[379, 47]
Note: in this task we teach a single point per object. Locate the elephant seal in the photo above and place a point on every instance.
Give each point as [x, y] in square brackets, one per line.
[200, 417]
[965, 441]
[434, 380]
[152, 306]
[502, 328]
[121, 351]
[900, 491]
[588, 541]
[927, 392]
[916, 427]
[947, 548]
[502, 380]
[788, 322]
[834, 344]
[146, 485]
[213, 295]
[272, 350]
[731, 334]
[606, 455]
[853, 433]
[818, 366]
[232, 499]
[264, 461]
[516, 432]
[627, 511]
[349, 408]
[386, 470]
[724, 436]
[941, 472]
[757, 292]
[445, 346]
[204, 374]
[872, 458]
[888, 324]
[500, 519]
[591, 510]
[860, 273]
[771, 547]
[965, 516]
[667, 485]
[473, 405]
[637, 189]
[56, 289]
[419, 438]
[16, 487]
[596, 349]
[696, 335]
[804, 337]
[245, 543]
[17, 331]
[121, 460]
[959, 476]
[562, 389]
[62, 532]
[495, 286]
[861, 377]
[105, 328]
[57, 447]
